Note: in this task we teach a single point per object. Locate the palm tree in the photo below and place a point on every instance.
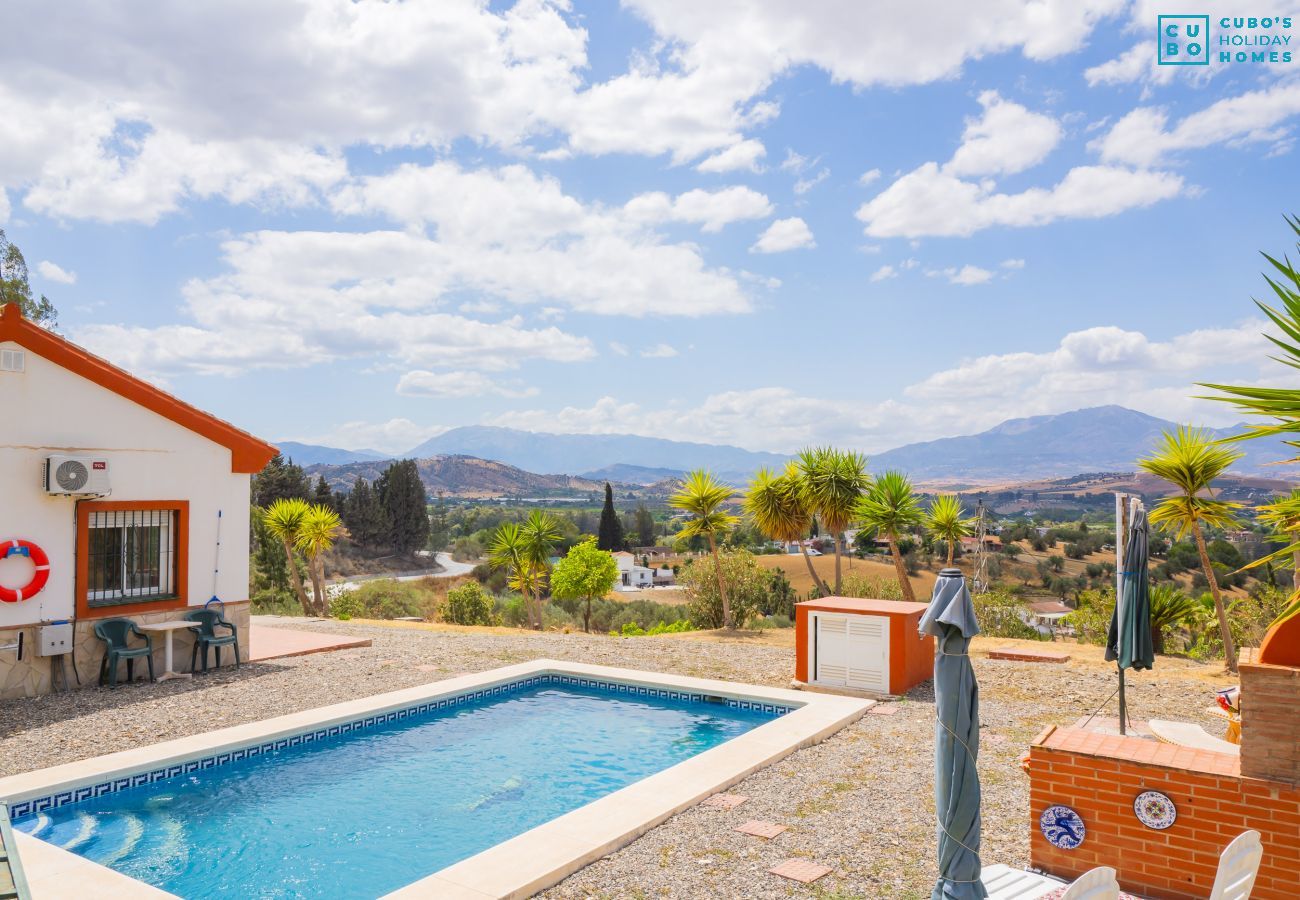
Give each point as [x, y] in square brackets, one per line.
[539, 534]
[833, 482]
[779, 510]
[1283, 514]
[1191, 460]
[1169, 606]
[320, 525]
[702, 496]
[284, 519]
[891, 508]
[945, 521]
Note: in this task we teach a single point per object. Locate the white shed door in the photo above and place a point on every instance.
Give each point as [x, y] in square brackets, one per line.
[852, 651]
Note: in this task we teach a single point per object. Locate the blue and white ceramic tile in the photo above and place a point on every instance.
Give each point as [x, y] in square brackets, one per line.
[1155, 810]
[1062, 827]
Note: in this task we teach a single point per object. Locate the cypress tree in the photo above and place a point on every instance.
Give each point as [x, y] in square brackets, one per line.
[280, 480]
[401, 494]
[610, 536]
[364, 516]
[323, 495]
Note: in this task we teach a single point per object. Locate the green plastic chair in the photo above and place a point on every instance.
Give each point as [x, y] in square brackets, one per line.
[116, 634]
[205, 636]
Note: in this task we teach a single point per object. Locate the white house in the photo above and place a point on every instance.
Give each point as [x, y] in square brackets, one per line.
[119, 486]
[632, 577]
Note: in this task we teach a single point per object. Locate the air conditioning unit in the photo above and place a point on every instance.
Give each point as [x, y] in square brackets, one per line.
[79, 475]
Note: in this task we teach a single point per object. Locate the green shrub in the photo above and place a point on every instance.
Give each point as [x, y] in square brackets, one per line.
[468, 604]
[858, 584]
[512, 611]
[998, 615]
[273, 602]
[747, 588]
[384, 598]
[632, 629]
[1091, 620]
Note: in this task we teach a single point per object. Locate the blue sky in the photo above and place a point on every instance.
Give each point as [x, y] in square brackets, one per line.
[768, 225]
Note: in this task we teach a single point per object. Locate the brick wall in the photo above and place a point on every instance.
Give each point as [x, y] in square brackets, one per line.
[1099, 775]
[1270, 723]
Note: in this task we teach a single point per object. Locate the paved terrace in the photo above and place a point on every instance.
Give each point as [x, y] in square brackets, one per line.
[859, 803]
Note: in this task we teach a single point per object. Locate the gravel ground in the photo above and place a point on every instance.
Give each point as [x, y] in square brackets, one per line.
[860, 802]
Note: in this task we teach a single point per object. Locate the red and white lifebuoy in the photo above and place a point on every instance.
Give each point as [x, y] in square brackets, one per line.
[39, 577]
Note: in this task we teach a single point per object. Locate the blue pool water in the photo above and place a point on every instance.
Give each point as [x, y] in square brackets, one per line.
[367, 812]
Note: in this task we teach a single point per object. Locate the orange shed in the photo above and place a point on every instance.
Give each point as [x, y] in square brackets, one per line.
[865, 645]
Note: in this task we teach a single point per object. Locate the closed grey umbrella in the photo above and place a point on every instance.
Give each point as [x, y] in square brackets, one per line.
[951, 619]
[1128, 643]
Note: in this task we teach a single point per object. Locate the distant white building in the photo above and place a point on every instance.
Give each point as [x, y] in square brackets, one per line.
[633, 577]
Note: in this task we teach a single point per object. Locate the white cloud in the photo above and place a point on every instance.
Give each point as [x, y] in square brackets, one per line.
[422, 383]
[928, 202]
[517, 236]
[1144, 138]
[1007, 138]
[659, 351]
[804, 185]
[784, 234]
[711, 210]
[618, 348]
[966, 276]
[4, 206]
[743, 155]
[1012, 264]
[935, 201]
[884, 273]
[868, 177]
[52, 272]
[296, 299]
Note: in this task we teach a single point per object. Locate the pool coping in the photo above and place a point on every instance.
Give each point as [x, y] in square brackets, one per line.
[517, 867]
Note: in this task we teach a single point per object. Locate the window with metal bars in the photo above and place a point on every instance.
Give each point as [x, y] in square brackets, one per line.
[131, 556]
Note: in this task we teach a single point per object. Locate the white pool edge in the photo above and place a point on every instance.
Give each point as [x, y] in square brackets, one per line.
[517, 867]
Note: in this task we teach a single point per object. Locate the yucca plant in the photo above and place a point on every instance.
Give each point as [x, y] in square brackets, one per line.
[540, 533]
[1169, 607]
[833, 482]
[778, 506]
[946, 521]
[891, 508]
[1283, 516]
[284, 519]
[701, 497]
[319, 527]
[1190, 460]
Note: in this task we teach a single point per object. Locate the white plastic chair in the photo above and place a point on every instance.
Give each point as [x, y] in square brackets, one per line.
[1095, 884]
[1238, 866]
[1005, 883]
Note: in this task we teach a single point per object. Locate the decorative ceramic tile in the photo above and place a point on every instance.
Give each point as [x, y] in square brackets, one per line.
[800, 870]
[1155, 810]
[767, 830]
[28, 807]
[1062, 827]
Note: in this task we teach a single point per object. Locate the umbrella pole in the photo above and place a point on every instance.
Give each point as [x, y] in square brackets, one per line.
[1121, 535]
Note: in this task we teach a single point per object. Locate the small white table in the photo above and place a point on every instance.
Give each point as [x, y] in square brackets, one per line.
[166, 628]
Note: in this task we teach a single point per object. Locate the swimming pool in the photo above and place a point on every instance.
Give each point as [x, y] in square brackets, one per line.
[490, 785]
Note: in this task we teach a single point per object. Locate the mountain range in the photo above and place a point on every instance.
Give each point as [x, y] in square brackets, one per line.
[1099, 439]
[462, 476]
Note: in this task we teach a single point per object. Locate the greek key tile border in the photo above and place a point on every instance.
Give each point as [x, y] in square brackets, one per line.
[25, 808]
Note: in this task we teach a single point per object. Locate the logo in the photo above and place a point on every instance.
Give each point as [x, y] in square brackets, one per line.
[1183, 40]
[99, 465]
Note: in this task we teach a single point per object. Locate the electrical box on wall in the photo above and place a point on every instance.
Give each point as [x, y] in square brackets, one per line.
[54, 640]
